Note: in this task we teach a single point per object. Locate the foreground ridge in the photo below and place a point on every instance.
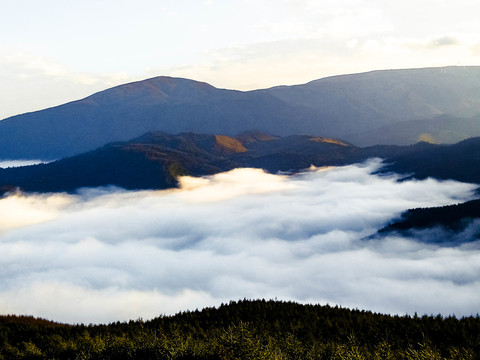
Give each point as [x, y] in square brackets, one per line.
[248, 329]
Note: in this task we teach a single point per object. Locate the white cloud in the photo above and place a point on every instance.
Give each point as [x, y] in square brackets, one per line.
[115, 256]
[18, 163]
[42, 83]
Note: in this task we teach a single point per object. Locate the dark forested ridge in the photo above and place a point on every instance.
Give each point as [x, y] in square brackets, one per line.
[379, 107]
[453, 218]
[460, 161]
[156, 159]
[248, 330]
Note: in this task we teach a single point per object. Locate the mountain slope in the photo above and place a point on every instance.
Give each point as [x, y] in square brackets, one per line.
[152, 161]
[339, 106]
[156, 159]
[440, 129]
[453, 219]
[248, 329]
[361, 102]
[459, 161]
[124, 112]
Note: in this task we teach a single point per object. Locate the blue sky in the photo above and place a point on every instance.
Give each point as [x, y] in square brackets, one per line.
[56, 51]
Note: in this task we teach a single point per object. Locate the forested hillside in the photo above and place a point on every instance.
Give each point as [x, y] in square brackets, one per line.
[453, 218]
[248, 330]
[156, 159]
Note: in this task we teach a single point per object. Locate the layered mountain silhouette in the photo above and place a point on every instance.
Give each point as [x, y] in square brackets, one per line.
[156, 160]
[379, 107]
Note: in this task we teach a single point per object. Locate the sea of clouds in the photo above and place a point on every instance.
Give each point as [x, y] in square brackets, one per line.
[108, 255]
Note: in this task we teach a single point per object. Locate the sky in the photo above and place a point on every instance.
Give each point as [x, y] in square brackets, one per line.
[55, 51]
[108, 255]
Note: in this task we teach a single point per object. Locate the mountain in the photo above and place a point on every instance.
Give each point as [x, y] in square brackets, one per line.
[440, 129]
[361, 102]
[459, 161]
[364, 109]
[152, 161]
[127, 111]
[156, 159]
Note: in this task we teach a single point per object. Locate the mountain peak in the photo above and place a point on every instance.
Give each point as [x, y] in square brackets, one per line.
[158, 89]
[383, 107]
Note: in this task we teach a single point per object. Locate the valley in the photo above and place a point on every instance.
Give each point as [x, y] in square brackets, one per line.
[167, 193]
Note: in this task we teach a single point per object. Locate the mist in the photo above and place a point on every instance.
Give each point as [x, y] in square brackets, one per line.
[18, 163]
[108, 254]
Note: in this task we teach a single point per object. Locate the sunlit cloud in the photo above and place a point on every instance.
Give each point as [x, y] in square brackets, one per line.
[107, 255]
[231, 184]
[17, 210]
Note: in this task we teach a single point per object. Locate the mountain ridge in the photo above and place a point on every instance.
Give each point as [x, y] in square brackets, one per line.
[339, 107]
[156, 159]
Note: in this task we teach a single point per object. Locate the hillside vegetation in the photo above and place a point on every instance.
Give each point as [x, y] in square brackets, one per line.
[248, 330]
[452, 218]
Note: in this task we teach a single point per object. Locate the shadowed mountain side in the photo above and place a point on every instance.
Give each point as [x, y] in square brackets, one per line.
[361, 102]
[159, 104]
[339, 106]
[459, 161]
[452, 218]
[443, 129]
[155, 160]
[297, 152]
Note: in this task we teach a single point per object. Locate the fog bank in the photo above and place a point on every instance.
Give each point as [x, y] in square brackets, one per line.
[106, 255]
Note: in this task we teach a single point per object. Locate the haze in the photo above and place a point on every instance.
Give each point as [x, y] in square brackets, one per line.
[111, 255]
[54, 51]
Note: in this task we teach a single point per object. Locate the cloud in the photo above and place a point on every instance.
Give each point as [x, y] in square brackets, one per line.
[444, 41]
[42, 82]
[18, 211]
[18, 163]
[116, 255]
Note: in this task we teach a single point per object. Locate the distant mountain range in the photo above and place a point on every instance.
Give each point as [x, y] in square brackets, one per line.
[379, 107]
